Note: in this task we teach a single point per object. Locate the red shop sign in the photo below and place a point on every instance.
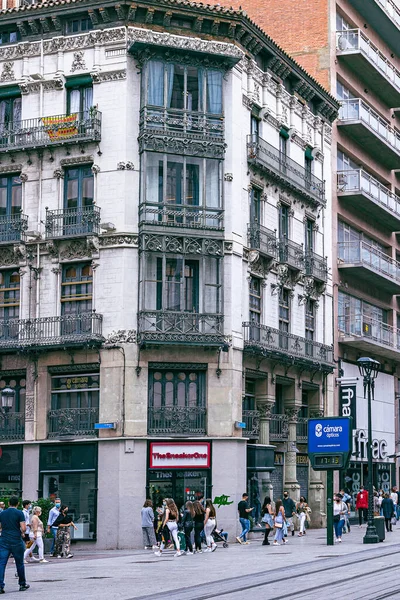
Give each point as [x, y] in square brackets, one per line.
[180, 455]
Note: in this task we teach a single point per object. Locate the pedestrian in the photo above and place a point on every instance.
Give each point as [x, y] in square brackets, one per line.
[149, 537]
[188, 525]
[199, 516]
[389, 511]
[36, 536]
[339, 512]
[53, 514]
[362, 505]
[267, 519]
[2, 507]
[63, 538]
[290, 510]
[395, 497]
[209, 525]
[26, 509]
[12, 523]
[171, 517]
[244, 511]
[301, 510]
[347, 500]
[279, 522]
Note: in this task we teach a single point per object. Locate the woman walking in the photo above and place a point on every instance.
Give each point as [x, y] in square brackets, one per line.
[389, 511]
[199, 516]
[171, 517]
[36, 536]
[149, 537]
[188, 524]
[301, 509]
[279, 523]
[209, 526]
[267, 519]
[63, 537]
[339, 516]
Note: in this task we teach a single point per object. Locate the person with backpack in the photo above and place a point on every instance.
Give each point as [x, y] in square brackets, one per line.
[187, 523]
[339, 512]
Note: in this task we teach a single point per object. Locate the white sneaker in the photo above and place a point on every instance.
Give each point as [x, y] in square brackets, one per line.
[154, 547]
[158, 553]
[340, 540]
[188, 552]
[213, 547]
[275, 544]
[43, 560]
[179, 553]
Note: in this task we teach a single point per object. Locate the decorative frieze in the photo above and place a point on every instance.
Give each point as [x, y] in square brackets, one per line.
[207, 148]
[121, 336]
[125, 239]
[102, 77]
[181, 245]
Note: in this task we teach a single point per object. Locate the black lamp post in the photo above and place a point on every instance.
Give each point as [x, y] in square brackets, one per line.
[369, 369]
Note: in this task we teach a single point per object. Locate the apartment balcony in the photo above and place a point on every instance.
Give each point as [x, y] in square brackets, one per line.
[384, 16]
[360, 260]
[178, 327]
[357, 52]
[12, 426]
[176, 421]
[302, 429]
[51, 332]
[368, 197]
[72, 222]
[262, 239]
[371, 337]
[252, 420]
[285, 170]
[360, 122]
[286, 347]
[13, 228]
[156, 217]
[278, 428]
[316, 266]
[43, 132]
[72, 422]
[291, 254]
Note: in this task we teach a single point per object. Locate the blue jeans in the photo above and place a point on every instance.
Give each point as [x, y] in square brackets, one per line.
[54, 534]
[338, 527]
[17, 549]
[245, 523]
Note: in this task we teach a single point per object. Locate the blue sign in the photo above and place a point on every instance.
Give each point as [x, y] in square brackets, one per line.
[329, 435]
[104, 425]
[240, 425]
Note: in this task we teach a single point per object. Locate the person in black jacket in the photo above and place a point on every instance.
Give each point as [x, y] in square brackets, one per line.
[199, 516]
[388, 510]
[188, 524]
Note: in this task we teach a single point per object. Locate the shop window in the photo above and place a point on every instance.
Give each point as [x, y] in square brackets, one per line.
[11, 470]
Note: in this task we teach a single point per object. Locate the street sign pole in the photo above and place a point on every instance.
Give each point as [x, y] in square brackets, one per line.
[329, 507]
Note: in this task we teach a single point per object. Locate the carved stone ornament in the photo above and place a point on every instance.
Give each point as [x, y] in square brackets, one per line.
[75, 249]
[228, 177]
[316, 413]
[58, 174]
[228, 247]
[213, 147]
[52, 249]
[292, 414]
[95, 169]
[23, 177]
[78, 63]
[122, 239]
[7, 73]
[181, 245]
[122, 336]
[76, 160]
[29, 407]
[8, 257]
[265, 409]
[102, 77]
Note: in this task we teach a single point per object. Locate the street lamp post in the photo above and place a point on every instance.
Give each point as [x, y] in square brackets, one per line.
[369, 370]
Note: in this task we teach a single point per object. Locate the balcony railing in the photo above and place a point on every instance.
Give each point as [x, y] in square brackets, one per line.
[181, 215]
[291, 253]
[176, 420]
[353, 40]
[390, 9]
[355, 109]
[13, 228]
[73, 222]
[173, 327]
[262, 239]
[182, 121]
[66, 330]
[269, 341]
[316, 266]
[302, 429]
[12, 426]
[362, 326]
[362, 252]
[278, 428]
[50, 131]
[252, 420]
[72, 422]
[285, 169]
[359, 181]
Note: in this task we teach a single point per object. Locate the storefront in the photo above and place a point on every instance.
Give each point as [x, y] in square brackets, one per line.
[384, 477]
[178, 470]
[70, 472]
[10, 469]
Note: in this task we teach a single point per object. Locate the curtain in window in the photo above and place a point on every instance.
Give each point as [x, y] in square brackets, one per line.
[155, 90]
[3, 108]
[214, 92]
[87, 100]
[201, 88]
[212, 183]
[74, 101]
[170, 84]
[17, 111]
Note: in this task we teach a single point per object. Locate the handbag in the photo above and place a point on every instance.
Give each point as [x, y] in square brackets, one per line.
[336, 518]
[393, 521]
[278, 525]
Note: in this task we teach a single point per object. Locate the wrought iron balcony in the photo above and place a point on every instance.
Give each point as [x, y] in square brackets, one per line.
[291, 254]
[173, 327]
[252, 420]
[369, 335]
[176, 420]
[378, 73]
[385, 16]
[262, 239]
[72, 422]
[72, 222]
[302, 429]
[186, 122]
[51, 332]
[316, 266]
[369, 130]
[286, 347]
[12, 426]
[361, 260]
[13, 228]
[278, 428]
[56, 130]
[369, 197]
[181, 215]
[284, 169]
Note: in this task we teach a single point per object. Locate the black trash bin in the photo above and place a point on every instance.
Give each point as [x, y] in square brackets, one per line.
[379, 523]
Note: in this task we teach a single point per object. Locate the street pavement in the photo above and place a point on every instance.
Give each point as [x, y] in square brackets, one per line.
[304, 569]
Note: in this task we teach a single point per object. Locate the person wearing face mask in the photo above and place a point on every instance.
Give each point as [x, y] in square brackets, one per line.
[53, 515]
[63, 538]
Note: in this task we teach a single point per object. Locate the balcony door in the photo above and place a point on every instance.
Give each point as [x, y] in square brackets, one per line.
[10, 208]
[80, 101]
[284, 319]
[178, 285]
[78, 201]
[10, 119]
[74, 404]
[76, 298]
[9, 304]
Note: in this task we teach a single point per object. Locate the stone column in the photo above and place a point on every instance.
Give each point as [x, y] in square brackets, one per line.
[291, 484]
[316, 491]
[264, 407]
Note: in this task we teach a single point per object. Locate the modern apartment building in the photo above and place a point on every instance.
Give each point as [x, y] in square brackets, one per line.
[353, 47]
[165, 237]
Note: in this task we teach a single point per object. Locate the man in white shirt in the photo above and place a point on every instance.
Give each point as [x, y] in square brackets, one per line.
[394, 496]
[53, 514]
[26, 509]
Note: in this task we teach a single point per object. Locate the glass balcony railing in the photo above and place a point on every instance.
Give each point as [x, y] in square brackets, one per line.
[363, 327]
[359, 181]
[390, 9]
[356, 109]
[361, 252]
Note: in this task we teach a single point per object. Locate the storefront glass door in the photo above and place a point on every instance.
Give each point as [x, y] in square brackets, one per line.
[179, 485]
